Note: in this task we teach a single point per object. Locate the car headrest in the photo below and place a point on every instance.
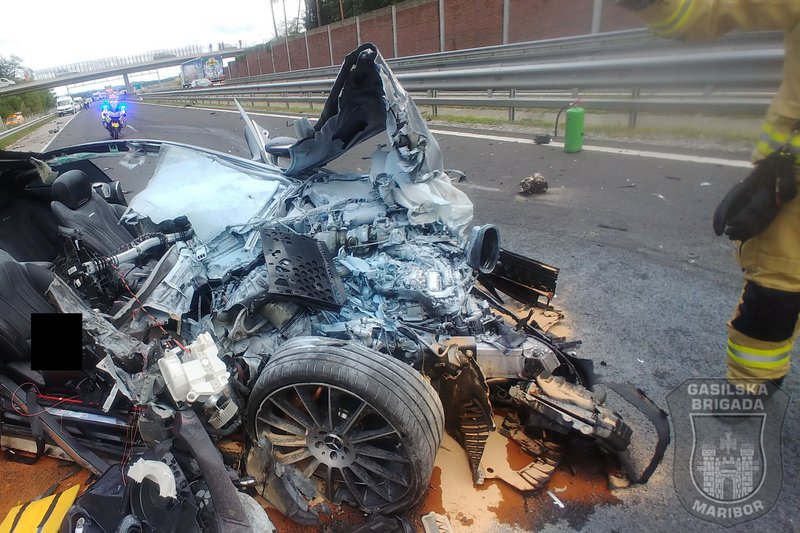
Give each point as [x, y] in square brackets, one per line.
[72, 188]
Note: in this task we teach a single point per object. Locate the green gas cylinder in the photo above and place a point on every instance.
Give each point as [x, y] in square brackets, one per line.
[573, 130]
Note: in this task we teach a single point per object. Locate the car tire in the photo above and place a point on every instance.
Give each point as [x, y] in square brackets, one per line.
[368, 425]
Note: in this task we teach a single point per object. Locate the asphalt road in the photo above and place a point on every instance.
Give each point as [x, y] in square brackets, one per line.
[644, 282]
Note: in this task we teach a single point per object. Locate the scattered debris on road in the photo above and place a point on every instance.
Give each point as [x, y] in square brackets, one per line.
[436, 523]
[535, 184]
[555, 499]
[611, 226]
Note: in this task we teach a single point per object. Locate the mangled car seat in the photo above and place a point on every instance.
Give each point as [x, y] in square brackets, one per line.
[22, 292]
[81, 211]
[27, 229]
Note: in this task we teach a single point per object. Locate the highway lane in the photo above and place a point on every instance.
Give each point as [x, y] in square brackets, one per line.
[644, 282]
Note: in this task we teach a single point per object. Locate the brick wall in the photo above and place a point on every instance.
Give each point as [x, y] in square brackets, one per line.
[472, 23]
[418, 28]
[378, 30]
[279, 53]
[320, 51]
[468, 24]
[252, 64]
[297, 47]
[531, 20]
[344, 39]
[265, 59]
[615, 18]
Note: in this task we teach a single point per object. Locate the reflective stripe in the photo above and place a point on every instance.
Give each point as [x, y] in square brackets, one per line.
[770, 130]
[675, 21]
[756, 358]
[772, 140]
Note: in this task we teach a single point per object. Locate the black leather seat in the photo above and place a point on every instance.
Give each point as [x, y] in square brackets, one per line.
[28, 230]
[22, 292]
[77, 207]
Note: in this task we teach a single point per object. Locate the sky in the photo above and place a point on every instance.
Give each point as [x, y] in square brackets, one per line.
[48, 33]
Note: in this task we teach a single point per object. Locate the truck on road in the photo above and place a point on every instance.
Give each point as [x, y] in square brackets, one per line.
[205, 67]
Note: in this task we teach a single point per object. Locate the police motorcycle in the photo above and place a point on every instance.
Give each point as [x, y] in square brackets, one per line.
[113, 115]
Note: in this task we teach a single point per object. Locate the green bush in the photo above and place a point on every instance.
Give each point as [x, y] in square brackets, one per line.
[29, 103]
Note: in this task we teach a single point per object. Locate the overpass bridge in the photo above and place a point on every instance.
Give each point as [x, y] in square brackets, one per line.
[111, 71]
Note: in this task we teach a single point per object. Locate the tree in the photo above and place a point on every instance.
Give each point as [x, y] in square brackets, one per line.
[296, 26]
[28, 103]
[322, 12]
[11, 67]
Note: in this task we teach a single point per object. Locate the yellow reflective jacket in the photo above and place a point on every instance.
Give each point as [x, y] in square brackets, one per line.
[697, 20]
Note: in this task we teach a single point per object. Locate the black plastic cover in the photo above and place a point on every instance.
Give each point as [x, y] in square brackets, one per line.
[301, 269]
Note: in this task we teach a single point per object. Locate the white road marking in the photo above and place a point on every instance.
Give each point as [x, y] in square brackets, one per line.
[703, 160]
[60, 129]
[128, 126]
[478, 187]
[608, 150]
[234, 111]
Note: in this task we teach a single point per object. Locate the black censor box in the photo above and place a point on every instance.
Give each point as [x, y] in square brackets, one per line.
[56, 341]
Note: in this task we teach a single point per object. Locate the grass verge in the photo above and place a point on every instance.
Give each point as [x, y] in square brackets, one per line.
[11, 139]
[611, 131]
[607, 130]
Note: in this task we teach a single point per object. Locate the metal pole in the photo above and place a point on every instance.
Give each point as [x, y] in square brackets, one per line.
[358, 30]
[394, 28]
[274, 22]
[286, 37]
[512, 111]
[308, 52]
[506, 12]
[330, 43]
[441, 25]
[632, 116]
[341, 10]
[597, 14]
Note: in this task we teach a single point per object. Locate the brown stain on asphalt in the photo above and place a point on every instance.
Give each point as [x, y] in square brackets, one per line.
[586, 489]
[433, 498]
[20, 483]
[470, 508]
[517, 458]
[511, 508]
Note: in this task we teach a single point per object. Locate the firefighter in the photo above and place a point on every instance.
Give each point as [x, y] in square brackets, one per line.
[762, 213]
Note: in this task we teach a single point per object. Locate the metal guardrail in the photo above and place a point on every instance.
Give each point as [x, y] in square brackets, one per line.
[611, 44]
[624, 72]
[21, 127]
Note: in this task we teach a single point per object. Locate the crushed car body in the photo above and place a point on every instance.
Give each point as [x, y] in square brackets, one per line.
[335, 323]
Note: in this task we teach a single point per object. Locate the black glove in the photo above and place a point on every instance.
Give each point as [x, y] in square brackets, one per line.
[751, 205]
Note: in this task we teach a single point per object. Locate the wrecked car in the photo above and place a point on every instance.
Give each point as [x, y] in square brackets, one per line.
[335, 323]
